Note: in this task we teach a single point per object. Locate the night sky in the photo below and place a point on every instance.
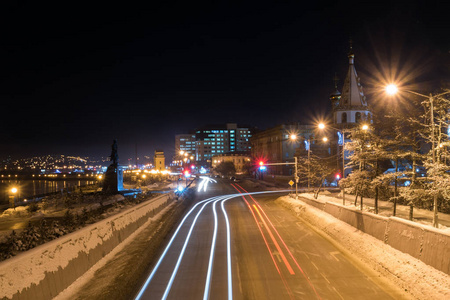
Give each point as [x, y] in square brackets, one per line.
[75, 75]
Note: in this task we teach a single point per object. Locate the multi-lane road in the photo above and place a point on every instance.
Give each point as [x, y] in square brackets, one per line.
[239, 244]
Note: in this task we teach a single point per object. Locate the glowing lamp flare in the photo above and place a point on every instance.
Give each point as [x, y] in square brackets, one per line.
[14, 190]
[293, 137]
[321, 126]
[391, 89]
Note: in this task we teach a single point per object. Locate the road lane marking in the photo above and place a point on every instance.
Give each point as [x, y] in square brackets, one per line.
[324, 277]
[334, 253]
[277, 255]
[338, 293]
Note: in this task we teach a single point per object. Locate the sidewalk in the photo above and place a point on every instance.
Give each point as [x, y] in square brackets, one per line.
[385, 208]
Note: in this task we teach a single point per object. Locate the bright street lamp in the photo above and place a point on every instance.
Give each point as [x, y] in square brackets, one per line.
[392, 89]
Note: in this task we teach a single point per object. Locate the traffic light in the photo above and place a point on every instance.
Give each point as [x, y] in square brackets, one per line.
[187, 173]
[338, 176]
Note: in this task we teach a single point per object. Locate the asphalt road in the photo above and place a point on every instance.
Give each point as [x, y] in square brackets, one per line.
[234, 247]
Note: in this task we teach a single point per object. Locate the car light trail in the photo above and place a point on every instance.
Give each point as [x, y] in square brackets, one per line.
[283, 257]
[229, 275]
[180, 257]
[211, 255]
[282, 241]
[150, 277]
[204, 203]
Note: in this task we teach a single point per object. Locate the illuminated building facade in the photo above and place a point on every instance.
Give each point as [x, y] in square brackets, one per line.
[350, 107]
[159, 160]
[215, 140]
[185, 143]
[241, 161]
[275, 146]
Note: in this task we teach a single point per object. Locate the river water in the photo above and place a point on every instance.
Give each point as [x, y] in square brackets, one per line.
[29, 188]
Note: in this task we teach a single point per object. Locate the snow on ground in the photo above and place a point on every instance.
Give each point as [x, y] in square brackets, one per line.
[419, 280]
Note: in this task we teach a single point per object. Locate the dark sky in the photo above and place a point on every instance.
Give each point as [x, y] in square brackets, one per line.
[75, 75]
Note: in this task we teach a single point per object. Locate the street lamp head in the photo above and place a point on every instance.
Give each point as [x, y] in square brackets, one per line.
[293, 137]
[365, 127]
[321, 126]
[181, 152]
[391, 89]
[14, 190]
[325, 139]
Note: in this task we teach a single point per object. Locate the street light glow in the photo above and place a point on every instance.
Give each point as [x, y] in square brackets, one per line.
[14, 190]
[325, 139]
[321, 126]
[391, 89]
[365, 127]
[293, 137]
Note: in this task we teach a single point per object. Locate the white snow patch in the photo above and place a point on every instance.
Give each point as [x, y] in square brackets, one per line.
[418, 279]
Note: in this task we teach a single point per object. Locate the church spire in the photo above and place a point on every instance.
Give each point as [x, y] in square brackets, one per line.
[351, 107]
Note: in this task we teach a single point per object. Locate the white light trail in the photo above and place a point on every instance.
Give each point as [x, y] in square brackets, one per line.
[205, 202]
[180, 257]
[211, 255]
[229, 275]
[150, 277]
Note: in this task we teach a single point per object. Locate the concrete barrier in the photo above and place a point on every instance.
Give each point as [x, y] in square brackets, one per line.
[436, 249]
[333, 209]
[316, 203]
[423, 242]
[43, 272]
[405, 236]
[375, 225]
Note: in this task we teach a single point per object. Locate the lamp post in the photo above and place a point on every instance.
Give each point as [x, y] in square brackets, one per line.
[343, 131]
[392, 89]
[292, 137]
[13, 191]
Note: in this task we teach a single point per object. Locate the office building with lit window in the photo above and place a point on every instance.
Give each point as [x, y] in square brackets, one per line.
[185, 143]
[212, 140]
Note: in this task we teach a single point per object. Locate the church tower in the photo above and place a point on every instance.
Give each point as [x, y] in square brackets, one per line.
[350, 107]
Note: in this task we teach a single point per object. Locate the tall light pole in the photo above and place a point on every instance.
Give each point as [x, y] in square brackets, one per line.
[322, 126]
[392, 89]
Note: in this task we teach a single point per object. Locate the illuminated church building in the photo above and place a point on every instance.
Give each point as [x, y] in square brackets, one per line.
[350, 107]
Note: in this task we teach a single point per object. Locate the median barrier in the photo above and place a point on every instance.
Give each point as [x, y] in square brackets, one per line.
[430, 245]
[436, 249]
[405, 236]
[316, 203]
[43, 272]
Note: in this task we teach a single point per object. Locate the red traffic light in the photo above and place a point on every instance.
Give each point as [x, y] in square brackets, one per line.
[261, 163]
[187, 173]
[338, 176]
